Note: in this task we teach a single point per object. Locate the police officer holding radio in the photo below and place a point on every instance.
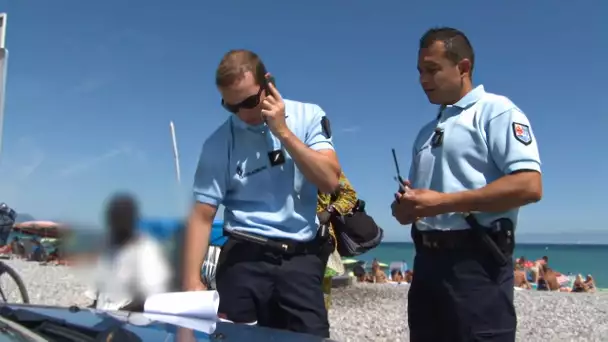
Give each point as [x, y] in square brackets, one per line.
[473, 166]
[265, 164]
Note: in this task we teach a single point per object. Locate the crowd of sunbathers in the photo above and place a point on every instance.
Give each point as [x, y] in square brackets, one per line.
[378, 276]
[17, 249]
[537, 274]
[528, 275]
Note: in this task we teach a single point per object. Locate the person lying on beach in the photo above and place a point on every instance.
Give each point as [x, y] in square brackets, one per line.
[409, 274]
[520, 279]
[396, 276]
[38, 251]
[17, 248]
[590, 283]
[535, 271]
[378, 275]
[548, 279]
[359, 272]
[579, 285]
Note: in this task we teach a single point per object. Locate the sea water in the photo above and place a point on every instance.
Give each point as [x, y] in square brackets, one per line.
[583, 259]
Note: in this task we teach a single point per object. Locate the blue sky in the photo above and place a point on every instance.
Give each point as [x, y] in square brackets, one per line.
[92, 86]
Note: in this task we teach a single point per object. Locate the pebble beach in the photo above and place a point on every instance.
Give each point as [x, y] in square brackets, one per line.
[374, 312]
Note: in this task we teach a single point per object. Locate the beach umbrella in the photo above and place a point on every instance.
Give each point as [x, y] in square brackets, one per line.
[347, 261]
[43, 229]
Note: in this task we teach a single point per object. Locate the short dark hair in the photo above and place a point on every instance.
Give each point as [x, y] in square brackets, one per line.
[235, 64]
[457, 45]
[123, 210]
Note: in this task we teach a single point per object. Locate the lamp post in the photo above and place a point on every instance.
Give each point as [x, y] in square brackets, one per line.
[3, 61]
[178, 173]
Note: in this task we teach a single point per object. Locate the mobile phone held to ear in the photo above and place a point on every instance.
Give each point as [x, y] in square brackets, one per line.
[263, 80]
[266, 82]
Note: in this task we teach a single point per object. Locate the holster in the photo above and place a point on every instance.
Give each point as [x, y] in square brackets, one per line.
[498, 240]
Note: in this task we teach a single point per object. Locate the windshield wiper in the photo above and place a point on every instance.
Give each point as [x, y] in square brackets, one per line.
[57, 329]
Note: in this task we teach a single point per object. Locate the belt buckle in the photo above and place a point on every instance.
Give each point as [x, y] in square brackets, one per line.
[287, 248]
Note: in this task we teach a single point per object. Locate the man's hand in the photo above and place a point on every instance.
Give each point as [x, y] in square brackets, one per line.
[402, 213]
[416, 203]
[185, 335]
[194, 285]
[273, 111]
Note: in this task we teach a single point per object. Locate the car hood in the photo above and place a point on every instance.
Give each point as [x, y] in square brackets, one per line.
[150, 328]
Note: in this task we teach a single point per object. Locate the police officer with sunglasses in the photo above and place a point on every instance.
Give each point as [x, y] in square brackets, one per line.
[265, 164]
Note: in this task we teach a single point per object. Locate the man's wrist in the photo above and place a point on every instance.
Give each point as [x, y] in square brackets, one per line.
[284, 134]
[191, 279]
[456, 202]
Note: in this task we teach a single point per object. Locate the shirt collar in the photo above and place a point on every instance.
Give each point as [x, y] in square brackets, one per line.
[468, 100]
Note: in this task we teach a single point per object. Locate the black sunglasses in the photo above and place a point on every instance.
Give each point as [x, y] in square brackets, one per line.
[248, 103]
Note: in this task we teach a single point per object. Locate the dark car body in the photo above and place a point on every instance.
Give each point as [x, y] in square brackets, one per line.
[139, 327]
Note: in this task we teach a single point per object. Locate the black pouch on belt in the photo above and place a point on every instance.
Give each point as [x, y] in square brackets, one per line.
[502, 231]
[485, 237]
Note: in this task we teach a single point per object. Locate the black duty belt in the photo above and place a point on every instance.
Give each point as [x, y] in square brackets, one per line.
[496, 240]
[283, 246]
[453, 239]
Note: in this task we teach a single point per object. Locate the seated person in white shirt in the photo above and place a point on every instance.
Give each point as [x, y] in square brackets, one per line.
[133, 266]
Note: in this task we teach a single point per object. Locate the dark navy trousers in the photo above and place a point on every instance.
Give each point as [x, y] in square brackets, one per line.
[272, 289]
[460, 295]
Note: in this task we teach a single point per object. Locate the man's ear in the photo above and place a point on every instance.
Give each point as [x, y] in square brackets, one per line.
[464, 66]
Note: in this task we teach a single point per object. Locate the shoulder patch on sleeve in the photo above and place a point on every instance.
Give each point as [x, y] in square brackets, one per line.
[326, 127]
[521, 133]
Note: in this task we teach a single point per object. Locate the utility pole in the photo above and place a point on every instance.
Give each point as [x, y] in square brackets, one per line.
[3, 62]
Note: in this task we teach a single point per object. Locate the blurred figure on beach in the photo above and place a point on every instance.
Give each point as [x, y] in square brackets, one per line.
[547, 280]
[378, 274]
[38, 251]
[133, 265]
[579, 284]
[7, 220]
[583, 285]
[17, 248]
[359, 273]
[590, 283]
[397, 276]
[409, 275]
[520, 280]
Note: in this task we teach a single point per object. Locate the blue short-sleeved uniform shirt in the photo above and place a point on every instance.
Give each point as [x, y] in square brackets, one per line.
[485, 137]
[235, 170]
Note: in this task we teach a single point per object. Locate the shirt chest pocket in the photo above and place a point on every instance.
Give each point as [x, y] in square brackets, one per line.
[424, 164]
